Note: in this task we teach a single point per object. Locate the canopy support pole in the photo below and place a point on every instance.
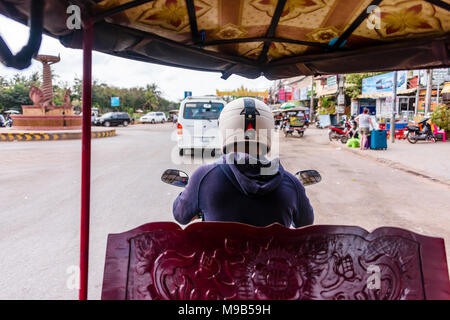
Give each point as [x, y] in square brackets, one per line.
[86, 159]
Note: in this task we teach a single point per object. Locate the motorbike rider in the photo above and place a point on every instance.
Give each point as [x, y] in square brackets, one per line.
[244, 186]
[354, 132]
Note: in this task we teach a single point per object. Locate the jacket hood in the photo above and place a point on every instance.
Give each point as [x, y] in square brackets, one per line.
[253, 177]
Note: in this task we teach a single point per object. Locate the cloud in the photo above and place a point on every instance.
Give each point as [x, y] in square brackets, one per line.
[119, 71]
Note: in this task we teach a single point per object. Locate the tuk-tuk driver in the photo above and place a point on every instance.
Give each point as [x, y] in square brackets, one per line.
[244, 186]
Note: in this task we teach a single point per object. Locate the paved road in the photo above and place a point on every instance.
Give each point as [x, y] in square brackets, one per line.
[39, 217]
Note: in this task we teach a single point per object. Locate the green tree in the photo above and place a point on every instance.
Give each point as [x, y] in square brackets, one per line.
[14, 93]
[441, 117]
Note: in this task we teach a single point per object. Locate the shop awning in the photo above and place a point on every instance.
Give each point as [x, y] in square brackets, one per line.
[327, 93]
[277, 39]
[386, 94]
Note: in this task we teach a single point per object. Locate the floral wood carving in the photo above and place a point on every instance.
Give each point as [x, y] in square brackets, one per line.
[233, 261]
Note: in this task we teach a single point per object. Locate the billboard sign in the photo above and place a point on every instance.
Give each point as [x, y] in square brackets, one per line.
[384, 82]
[281, 95]
[187, 94]
[304, 93]
[288, 93]
[115, 101]
[295, 93]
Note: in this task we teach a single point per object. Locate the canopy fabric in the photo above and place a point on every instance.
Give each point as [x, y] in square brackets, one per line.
[277, 39]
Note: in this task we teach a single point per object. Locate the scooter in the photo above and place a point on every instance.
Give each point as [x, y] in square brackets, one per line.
[180, 178]
[340, 133]
[422, 131]
[9, 123]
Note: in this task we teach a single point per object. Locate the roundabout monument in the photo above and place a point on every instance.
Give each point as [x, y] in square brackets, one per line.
[44, 120]
[44, 114]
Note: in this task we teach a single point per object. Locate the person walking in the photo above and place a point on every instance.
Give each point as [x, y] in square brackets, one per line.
[175, 118]
[364, 122]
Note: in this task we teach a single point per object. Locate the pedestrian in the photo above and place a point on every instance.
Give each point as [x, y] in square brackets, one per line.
[175, 118]
[364, 122]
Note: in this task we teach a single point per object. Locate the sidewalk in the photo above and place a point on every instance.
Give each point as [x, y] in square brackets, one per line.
[429, 160]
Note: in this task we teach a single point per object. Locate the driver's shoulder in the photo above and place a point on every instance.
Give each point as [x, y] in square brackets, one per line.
[292, 180]
[201, 172]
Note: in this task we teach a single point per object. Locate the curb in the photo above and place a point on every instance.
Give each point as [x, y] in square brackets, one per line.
[399, 166]
[45, 136]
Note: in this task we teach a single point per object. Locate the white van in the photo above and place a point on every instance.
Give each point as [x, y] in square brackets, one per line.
[198, 125]
[154, 117]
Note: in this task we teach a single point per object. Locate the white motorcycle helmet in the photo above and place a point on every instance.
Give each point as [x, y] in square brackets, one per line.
[246, 122]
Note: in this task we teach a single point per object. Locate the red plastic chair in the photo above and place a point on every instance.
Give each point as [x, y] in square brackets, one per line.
[437, 131]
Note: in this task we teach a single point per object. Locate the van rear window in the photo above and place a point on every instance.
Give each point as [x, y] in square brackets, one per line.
[202, 110]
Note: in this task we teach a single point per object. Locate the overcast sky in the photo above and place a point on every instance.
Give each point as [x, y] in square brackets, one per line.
[121, 72]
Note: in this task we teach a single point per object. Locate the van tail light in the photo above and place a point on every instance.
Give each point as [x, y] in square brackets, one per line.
[180, 128]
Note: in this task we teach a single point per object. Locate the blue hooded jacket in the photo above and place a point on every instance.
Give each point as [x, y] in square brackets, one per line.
[240, 188]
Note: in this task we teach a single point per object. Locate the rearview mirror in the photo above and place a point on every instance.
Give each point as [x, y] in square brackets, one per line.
[308, 177]
[175, 177]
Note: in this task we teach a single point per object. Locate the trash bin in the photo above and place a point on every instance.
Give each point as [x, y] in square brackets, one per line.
[378, 139]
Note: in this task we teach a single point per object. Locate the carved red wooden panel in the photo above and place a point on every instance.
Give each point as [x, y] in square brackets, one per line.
[235, 261]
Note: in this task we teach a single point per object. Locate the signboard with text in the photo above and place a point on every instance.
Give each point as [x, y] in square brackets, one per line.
[331, 83]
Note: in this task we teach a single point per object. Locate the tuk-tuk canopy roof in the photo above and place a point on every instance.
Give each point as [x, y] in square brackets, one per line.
[277, 39]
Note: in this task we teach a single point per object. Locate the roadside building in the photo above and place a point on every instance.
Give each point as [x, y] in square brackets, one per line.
[377, 95]
[296, 89]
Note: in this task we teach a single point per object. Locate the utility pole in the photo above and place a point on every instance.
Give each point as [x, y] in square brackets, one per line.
[311, 101]
[394, 107]
[437, 93]
[416, 105]
[341, 96]
[428, 97]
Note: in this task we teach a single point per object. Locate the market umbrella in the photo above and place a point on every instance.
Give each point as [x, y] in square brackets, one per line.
[12, 111]
[289, 105]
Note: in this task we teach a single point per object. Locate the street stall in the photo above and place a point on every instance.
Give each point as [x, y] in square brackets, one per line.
[209, 37]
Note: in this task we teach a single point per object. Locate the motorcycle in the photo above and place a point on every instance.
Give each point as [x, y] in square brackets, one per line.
[180, 178]
[9, 123]
[340, 133]
[421, 131]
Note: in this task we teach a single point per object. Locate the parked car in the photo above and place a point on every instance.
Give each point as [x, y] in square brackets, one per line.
[154, 117]
[114, 119]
